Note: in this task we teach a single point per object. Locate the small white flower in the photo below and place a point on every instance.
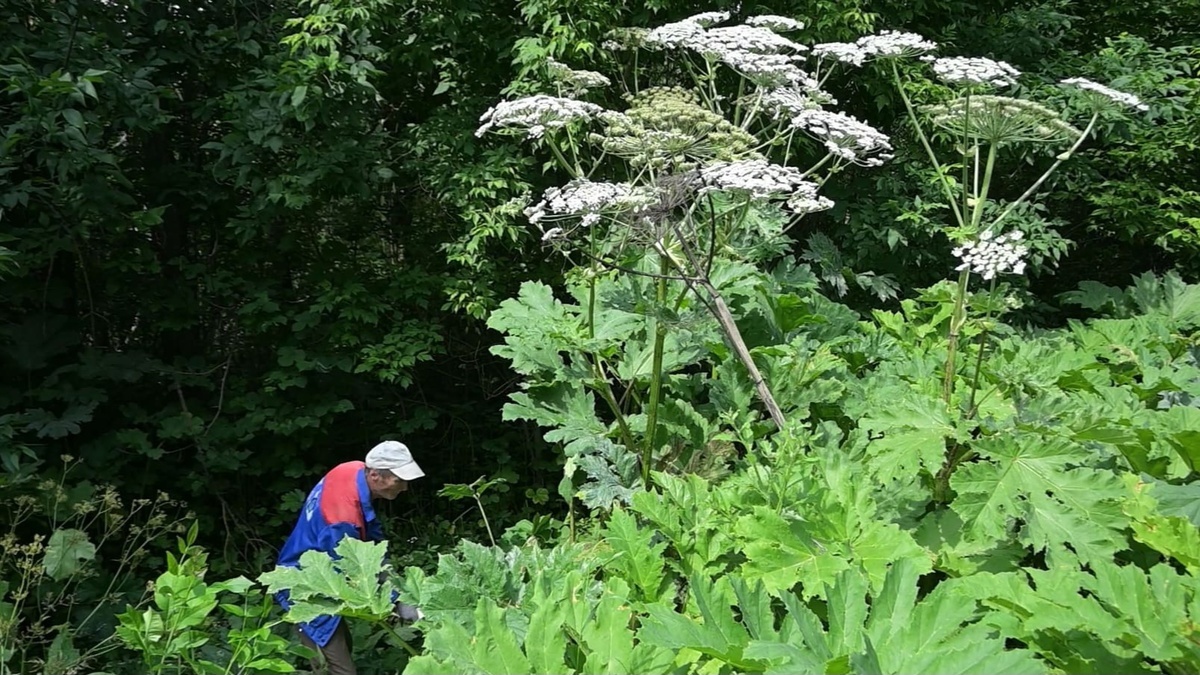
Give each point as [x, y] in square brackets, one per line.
[760, 179]
[576, 81]
[707, 19]
[779, 24]
[969, 70]
[892, 43]
[1101, 92]
[587, 200]
[845, 137]
[991, 255]
[536, 114]
[768, 70]
[552, 234]
[845, 52]
[792, 100]
[674, 35]
[715, 43]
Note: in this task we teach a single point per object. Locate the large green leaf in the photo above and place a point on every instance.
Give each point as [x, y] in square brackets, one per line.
[349, 585]
[780, 554]
[637, 560]
[718, 634]
[1068, 510]
[66, 552]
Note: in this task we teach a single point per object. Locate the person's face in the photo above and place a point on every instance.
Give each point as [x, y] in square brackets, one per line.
[387, 485]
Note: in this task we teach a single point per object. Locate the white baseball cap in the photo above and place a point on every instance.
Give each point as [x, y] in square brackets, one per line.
[394, 456]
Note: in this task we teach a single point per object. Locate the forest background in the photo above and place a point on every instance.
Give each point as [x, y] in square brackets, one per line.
[241, 242]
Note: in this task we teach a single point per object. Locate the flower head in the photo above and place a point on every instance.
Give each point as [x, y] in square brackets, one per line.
[791, 101]
[990, 255]
[575, 81]
[535, 114]
[779, 24]
[715, 43]
[760, 179]
[845, 52]
[588, 201]
[845, 137]
[971, 70]
[890, 43]
[1102, 95]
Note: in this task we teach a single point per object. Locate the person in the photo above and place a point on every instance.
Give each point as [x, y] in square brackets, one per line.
[339, 506]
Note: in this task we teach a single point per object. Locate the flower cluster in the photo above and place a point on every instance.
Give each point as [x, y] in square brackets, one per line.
[846, 137]
[536, 114]
[779, 24]
[666, 127]
[575, 81]
[1103, 94]
[791, 101]
[760, 179]
[716, 43]
[887, 44]
[587, 200]
[991, 255]
[970, 70]
[757, 52]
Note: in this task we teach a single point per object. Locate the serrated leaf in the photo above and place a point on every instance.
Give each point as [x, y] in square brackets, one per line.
[349, 586]
[66, 552]
[637, 560]
[1025, 477]
[782, 554]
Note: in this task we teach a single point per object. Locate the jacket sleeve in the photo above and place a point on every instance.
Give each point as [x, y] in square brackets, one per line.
[374, 530]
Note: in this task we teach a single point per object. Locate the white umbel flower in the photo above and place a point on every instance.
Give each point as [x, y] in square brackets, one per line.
[991, 255]
[706, 19]
[536, 114]
[892, 43]
[846, 137]
[760, 179]
[787, 102]
[715, 43]
[674, 35]
[972, 70]
[1100, 93]
[586, 200]
[888, 44]
[768, 70]
[779, 24]
[577, 81]
[845, 52]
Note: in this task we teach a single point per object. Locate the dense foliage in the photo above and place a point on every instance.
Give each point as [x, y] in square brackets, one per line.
[241, 241]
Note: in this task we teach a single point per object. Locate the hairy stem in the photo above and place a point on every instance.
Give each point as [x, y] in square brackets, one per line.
[656, 374]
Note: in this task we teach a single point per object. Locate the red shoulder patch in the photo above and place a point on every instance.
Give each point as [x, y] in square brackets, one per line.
[339, 499]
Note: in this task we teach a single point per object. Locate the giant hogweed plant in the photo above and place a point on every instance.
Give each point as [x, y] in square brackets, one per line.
[688, 178]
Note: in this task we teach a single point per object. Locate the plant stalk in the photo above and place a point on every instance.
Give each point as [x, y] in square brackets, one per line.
[656, 374]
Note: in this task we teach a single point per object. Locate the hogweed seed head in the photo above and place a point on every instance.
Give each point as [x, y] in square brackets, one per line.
[1001, 120]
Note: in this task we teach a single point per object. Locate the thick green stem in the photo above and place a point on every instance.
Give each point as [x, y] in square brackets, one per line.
[983, 339]
[959, 317]
[656, 374]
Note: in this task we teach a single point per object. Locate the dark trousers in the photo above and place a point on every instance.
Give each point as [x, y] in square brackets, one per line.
[336, 657]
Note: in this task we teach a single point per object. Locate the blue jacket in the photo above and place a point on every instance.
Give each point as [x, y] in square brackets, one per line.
[339, 506]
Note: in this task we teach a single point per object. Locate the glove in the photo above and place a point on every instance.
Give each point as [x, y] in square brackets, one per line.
[407, 612]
